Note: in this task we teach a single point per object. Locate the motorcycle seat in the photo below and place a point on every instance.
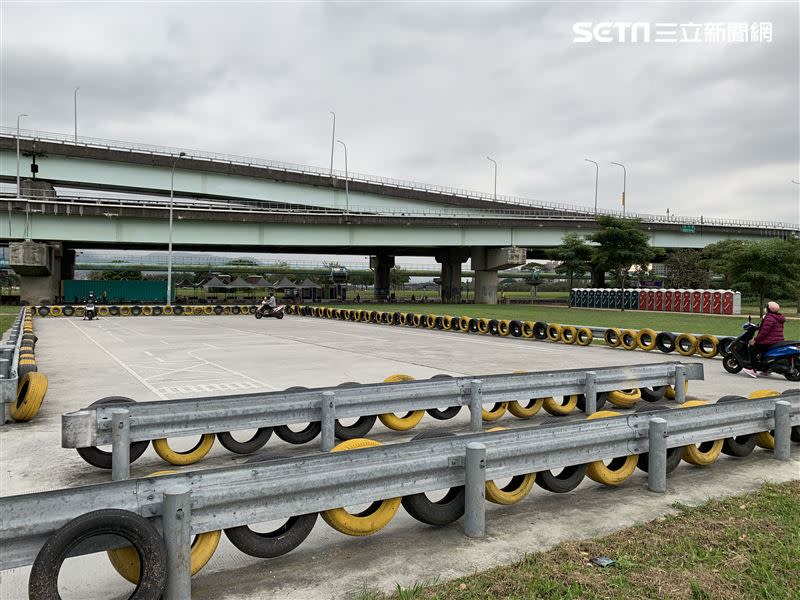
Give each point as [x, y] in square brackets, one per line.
[784, 344]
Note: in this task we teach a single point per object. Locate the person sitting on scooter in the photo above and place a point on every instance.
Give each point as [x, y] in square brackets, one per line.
[770, 332]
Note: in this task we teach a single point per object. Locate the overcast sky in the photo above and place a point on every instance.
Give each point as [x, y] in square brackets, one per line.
[427, 91]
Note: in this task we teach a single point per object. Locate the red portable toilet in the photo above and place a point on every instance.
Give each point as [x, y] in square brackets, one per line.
[642, 299]
[677, 300]
[651, 299]
[716, 302]
[727, 302]
[668, 300]
[706, 302]
[659, 305]
[686, 305]
[697, 301]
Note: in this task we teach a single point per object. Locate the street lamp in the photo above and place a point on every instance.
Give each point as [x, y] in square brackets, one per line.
[169, 248]
[75, 106]
[596, 180]
[624, 178]
[495, 175]
[19, 116]
[333, 137]
[346, 177]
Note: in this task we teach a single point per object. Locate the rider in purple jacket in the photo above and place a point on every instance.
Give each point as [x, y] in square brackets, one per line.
[770, 332]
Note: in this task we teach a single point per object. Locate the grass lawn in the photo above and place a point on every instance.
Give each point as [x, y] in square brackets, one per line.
[746, 546]
[678, 322]
[7, 316]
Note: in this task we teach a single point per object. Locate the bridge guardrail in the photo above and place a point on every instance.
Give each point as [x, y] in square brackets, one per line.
[121, 424]
[281, 489]
[9, 359]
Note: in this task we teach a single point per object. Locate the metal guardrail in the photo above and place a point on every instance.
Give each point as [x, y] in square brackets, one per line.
[280, 489]
[67, 139]
[9, 358]
[120, 425]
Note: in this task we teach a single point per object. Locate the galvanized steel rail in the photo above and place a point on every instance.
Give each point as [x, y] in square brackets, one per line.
[279, 489]
[9, 358]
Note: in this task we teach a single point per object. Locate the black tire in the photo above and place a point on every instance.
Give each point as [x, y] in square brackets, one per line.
[731, 364]
[23, 369]
[396, 318]
[725, 345]
[157, 311]
[493, 327]
[30, 337]
[673, 454]
[305, 435]
[69, 311]
[653, 394]
[279, 315]
[515, 328]
[567, 480]
[602, 398]
[218, 310]
[259, 439]
[540, 330]
[741, 445]
[447, 413]
[43, 311]
[177, 310]
[473, 325]
[274, 543]
[142, 535]
[358, 429]
[235, 310]
[100, 458]
[136, 311]
[113, 311]
[794, 376]
[410, 319]
[441, 512]
[258, 315]
[665, 341]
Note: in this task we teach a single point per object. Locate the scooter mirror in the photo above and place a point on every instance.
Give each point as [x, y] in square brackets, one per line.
[749, 319]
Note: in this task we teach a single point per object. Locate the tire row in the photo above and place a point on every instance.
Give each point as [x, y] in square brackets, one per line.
[146, 310]
[522, 409]
[144, 563]
[685, 344]
[31, 384]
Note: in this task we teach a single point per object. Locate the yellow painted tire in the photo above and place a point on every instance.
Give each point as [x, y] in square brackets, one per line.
[647, 339]
[669, 392]
[463, 324]
[707, 346]
[168, 310]
[125, 311]
[584, 336]
[619, 469]
[416, 320]
[525, 411]
[208, 310]
[765, 439]
[483, 325]
[411, 420]
[31, 391]
[494, 413]
[226, 310]
[685, 344]
[102, 311]
[432, 321]
[503, 327]
[375, 518]
[56, 311]
[188, 311]
[188, 457]
[625, 398]
[612, 337]
[527, 329]
[147, 311]
[553, 332]
[514, 491]
[569, 334]
[704, 453]
[127, 563]
[552, 406]
[629, 339]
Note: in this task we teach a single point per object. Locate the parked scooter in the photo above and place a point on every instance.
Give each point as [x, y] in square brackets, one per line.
[782, 358]
[266, 311]
[89, 311]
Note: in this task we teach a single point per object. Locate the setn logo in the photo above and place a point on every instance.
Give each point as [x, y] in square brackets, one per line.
[608, 31]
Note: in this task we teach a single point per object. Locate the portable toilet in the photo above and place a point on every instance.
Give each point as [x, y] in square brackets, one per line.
[697, 301]
[668, 300]
[737, 303]
[651, 300]
[659, 305]
[677, 300]
[642, 299]
[716, 302]
[727, 302]
[686, 301]
[706, 302]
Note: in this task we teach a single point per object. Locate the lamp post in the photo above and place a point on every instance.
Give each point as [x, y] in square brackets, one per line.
[346, 178]
[494, 162]
[75, 107]
[596, 180]
[624, 178]
[19, 116]
[169, 247]
[333, 138]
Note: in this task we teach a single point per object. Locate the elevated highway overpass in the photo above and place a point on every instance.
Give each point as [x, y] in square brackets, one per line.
[243, 204]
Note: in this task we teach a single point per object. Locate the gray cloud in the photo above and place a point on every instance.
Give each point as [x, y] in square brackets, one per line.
[427, 91]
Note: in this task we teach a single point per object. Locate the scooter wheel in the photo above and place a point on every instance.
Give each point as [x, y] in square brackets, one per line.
[259, 315]
[730, 364]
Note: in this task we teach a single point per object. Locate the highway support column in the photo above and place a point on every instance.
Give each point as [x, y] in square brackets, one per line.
[382, 266]
[40, 267]
[486, 262]
[451, 261]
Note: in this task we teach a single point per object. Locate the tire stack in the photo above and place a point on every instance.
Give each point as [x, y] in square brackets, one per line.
[31, 384]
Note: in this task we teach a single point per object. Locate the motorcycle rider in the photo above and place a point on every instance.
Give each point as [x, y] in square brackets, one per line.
[90, 305]
[270, 303]
[770, 332]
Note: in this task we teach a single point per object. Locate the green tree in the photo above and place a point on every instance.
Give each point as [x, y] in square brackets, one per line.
[622, 245]
[686, 269]
[574, 255]
[399, 277]
[114, 275]
[242, 262]
[764, 268]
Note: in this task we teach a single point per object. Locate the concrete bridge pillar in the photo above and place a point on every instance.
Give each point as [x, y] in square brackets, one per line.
[451, 275]
[382, 266]
[40, 268]
[486, 262]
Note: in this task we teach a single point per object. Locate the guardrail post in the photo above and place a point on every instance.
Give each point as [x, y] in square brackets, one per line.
[590, 392]
[680, 384]
[475, 490]
[120, 444]
[475, 406]
[328, 421]
[657, 455]
[176, 519]
[3, 403]
[783, 430]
